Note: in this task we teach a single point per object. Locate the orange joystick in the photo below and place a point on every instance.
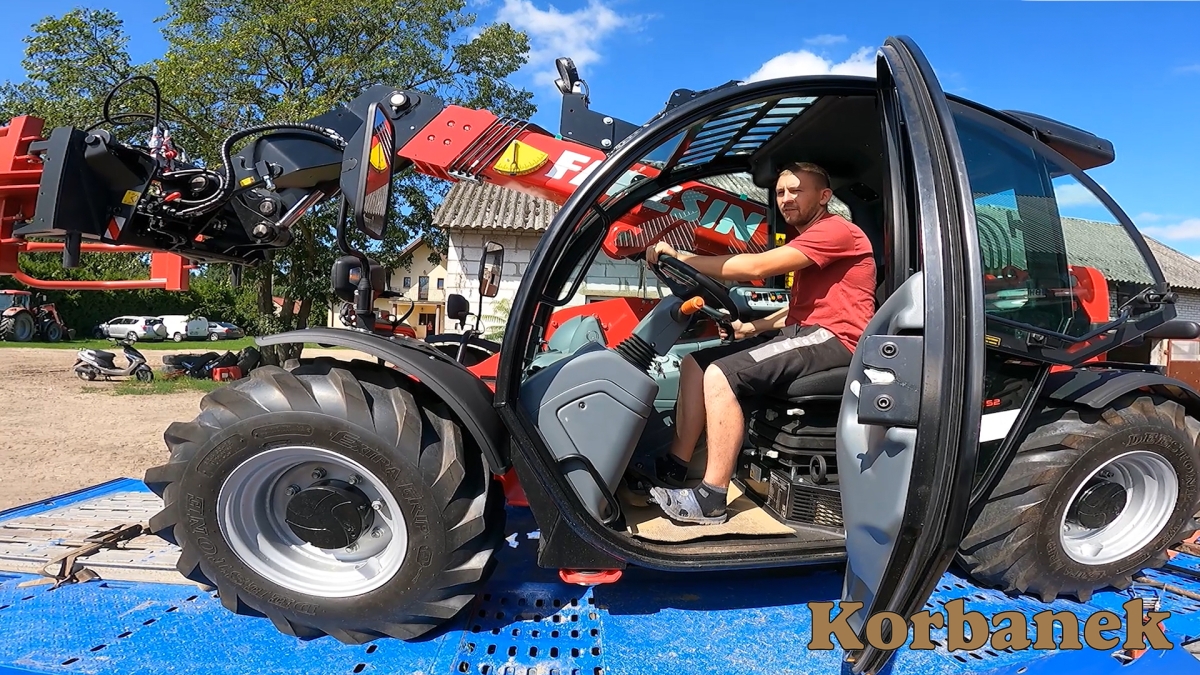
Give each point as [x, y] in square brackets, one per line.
[690, 307]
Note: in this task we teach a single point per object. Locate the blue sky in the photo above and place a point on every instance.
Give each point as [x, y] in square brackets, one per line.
[1128, 71]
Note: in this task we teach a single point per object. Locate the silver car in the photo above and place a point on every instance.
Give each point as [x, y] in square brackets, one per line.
[134, 328]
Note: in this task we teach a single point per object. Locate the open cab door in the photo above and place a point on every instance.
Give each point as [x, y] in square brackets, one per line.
[909, 426]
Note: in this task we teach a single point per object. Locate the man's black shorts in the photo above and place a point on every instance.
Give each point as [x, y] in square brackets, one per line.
[769, 363]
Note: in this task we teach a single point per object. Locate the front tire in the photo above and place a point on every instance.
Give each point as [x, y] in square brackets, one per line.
[52, 332]
[276, 436]
[1091, 498]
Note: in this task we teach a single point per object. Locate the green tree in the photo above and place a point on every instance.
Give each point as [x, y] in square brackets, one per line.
[234, 63]
[496, 320]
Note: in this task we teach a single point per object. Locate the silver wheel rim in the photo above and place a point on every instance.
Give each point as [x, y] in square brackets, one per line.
[1151, 489]
[252, 510]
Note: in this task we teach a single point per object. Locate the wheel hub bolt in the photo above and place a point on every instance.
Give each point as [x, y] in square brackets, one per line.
[292, 490]
[377, 505]
[318, 474]
[354, 479]
[376, 532]
[352, 548]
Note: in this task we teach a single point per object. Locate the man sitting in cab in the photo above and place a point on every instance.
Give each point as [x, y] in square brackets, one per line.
[832, 300]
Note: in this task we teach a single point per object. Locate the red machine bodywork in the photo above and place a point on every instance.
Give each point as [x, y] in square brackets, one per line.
[20, 175]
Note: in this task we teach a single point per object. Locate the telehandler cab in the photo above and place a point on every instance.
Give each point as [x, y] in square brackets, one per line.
[980, 422]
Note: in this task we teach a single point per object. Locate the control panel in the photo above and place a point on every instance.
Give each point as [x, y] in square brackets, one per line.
[757, 301]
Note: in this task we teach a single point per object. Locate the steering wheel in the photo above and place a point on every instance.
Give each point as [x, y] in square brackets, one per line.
[685, 282]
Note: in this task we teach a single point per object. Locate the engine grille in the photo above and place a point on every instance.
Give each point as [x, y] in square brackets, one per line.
[804, 503]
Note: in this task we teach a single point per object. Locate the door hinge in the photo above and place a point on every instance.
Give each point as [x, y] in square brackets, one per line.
[893, 365]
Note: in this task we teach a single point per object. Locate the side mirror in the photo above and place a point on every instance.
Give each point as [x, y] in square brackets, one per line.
[490, 269]
[457, 308]
[347, 271]
[367, 175]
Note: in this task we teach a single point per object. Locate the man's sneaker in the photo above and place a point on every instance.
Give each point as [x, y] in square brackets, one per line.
[684, 506]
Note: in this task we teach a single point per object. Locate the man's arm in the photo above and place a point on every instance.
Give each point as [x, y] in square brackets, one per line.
[775, 321]
[743, 266]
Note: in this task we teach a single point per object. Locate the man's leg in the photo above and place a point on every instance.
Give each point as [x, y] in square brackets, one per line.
[726, 428]
[772, 365]
[690, 410]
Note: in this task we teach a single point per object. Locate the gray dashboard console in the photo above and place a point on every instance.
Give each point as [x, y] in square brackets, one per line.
[755, 301]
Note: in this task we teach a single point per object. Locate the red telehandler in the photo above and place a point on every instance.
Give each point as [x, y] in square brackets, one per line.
[984, 421]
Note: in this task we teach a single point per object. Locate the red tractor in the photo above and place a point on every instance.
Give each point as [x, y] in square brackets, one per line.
[22, 322]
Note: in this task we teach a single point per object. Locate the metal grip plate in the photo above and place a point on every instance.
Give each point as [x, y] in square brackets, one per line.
[890, 394]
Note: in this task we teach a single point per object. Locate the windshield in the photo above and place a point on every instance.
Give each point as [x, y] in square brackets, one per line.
[722, 210]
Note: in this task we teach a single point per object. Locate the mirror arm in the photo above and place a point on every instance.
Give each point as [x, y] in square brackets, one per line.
[363, 299]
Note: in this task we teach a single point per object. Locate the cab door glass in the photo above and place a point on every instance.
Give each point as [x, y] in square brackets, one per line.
[1050, 247]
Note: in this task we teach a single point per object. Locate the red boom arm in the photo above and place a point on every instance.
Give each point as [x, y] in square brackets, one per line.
[461, 143]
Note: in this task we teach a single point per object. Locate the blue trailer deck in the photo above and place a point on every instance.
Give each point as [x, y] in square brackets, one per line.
[140, 618]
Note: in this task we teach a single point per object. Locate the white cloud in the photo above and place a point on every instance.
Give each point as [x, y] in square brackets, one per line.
[1074, 194]
[1194, 68]
[825, 40]
[1182, 230]
[552, 33]
[804, 62]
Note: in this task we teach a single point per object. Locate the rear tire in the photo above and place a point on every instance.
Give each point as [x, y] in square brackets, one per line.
[19, 327]
[233, 470]
[1090, 498]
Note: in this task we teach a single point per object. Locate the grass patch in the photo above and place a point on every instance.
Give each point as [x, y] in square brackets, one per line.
[158, 386]
[142, 345]
[163, 386]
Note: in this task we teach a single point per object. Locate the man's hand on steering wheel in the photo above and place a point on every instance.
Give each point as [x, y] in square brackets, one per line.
[686, 282]
[659, 248]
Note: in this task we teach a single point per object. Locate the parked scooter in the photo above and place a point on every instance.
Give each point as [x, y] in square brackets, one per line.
[93, 363]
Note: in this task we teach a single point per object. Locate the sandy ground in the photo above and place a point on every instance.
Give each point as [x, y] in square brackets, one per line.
[59, 437]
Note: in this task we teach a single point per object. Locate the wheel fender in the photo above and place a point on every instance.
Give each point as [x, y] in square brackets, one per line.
[463, 392]
[1097, 388]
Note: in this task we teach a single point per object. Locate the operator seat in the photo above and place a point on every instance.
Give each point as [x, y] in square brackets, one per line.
[800, 424]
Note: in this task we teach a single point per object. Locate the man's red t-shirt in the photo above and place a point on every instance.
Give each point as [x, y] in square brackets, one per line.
[838, 290]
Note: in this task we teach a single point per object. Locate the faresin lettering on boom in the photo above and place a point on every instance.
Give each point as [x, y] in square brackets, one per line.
[972, 630]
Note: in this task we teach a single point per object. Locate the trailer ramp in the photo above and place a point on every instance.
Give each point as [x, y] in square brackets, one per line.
[141, 617]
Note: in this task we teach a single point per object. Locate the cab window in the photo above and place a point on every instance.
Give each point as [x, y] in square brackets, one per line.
[1050, 247]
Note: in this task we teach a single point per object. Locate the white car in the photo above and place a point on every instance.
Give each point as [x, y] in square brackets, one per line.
[182, 327]
[134, 328]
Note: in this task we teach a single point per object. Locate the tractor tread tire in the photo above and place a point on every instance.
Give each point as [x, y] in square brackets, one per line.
[1014, 543]
[9, 327]
[466, 513]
